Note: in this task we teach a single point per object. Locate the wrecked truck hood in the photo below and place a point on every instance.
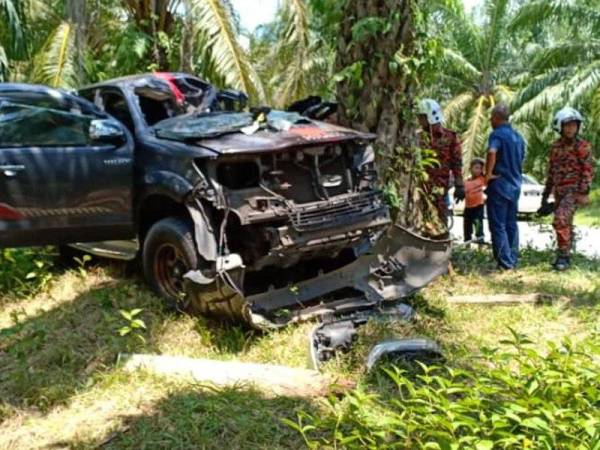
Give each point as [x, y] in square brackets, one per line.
[227, 133]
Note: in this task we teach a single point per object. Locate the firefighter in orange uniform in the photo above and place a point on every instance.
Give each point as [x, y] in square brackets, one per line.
[570, 175]
[448, 152]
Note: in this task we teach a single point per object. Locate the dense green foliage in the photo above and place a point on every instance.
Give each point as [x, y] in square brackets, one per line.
[511, 399]
[538, 56]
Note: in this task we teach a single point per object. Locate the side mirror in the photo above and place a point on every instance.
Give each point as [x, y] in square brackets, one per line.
[106, 131]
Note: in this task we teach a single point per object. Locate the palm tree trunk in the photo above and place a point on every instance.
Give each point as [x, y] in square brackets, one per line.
[77, 17]
[187, 45]
[154, 17]
[377, 93]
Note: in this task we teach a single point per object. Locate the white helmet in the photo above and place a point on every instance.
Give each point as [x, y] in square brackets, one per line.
[432, 110]
[566, 115]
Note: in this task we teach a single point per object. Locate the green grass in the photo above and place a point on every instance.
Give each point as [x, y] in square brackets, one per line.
[590, 215]
[60, 384]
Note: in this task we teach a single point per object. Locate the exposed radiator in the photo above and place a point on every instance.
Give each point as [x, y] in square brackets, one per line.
[339, 212]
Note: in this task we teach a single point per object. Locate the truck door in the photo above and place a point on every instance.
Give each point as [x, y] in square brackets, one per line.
[65, 175]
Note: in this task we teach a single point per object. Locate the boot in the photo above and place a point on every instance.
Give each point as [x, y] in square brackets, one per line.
[563, 262]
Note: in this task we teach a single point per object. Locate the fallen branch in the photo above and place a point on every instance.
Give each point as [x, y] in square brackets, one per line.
[506, 299]
[275, 380]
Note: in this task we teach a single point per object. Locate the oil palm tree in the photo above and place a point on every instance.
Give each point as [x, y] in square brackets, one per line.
[73, 44]
[478, 72]
[292, 56]
[218, 49]
[567, 71]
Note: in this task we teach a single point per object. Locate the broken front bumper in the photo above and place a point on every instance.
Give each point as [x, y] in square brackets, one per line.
[398, 265]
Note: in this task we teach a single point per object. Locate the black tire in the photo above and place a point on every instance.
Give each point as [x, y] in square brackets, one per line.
[169, 252]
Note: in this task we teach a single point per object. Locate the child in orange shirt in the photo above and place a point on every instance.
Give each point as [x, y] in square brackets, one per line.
[474, 201]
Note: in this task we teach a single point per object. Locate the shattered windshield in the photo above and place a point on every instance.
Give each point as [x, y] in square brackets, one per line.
[202, 126]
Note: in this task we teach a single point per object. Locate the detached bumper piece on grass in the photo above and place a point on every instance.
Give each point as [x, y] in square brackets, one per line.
[338, 335]
[424, 350]
[373, 286]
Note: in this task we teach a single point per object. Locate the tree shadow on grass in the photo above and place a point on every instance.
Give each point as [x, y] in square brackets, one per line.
[48, 358]
[45, 359]
[208, 418]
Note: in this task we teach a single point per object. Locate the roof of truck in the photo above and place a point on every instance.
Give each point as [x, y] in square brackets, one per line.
[29, 92]
[129, 79]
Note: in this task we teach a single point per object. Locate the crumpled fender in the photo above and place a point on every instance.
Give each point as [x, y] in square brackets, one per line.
[204, 234]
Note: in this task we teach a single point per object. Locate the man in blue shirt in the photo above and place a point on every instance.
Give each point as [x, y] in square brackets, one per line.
[504, 170]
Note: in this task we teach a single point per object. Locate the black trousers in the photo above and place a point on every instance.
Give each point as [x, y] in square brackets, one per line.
[473, 220]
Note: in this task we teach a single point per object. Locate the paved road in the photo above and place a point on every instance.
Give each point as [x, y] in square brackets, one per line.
[542, 237]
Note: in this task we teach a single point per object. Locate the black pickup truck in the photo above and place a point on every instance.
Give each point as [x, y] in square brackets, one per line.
[265, 216]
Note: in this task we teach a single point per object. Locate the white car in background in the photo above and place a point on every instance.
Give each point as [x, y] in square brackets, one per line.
[529, 202]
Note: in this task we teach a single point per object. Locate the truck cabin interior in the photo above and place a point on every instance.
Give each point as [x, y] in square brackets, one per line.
[165, 95]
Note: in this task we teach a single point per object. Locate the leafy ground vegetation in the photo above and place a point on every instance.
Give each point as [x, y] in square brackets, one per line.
[61, 332]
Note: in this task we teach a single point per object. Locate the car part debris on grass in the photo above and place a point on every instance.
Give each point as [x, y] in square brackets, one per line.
[371, 287]
[397, 266]
[334, 336]
[416, 349]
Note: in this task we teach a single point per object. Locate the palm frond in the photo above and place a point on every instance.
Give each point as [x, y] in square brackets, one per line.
[584, 83]
[457, 106]
[497, 11]
[293, 51]
[297, 29]
[54, 65]
[474, 137]
[555, 11]
[566, 54]
[456, 63]
[467, 38]
[214, 18]
[539, 84]
[541, 103]
[556, 89]
[11, 13]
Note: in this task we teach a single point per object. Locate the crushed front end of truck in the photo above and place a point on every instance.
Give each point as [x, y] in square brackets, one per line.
[291, 225]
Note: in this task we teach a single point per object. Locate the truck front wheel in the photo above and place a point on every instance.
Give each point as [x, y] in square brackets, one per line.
[169, 253]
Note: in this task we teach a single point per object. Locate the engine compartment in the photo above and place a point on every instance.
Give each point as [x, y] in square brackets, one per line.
[278, 209]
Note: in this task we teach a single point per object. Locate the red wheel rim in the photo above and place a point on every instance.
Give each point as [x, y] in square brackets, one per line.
[169, 268]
